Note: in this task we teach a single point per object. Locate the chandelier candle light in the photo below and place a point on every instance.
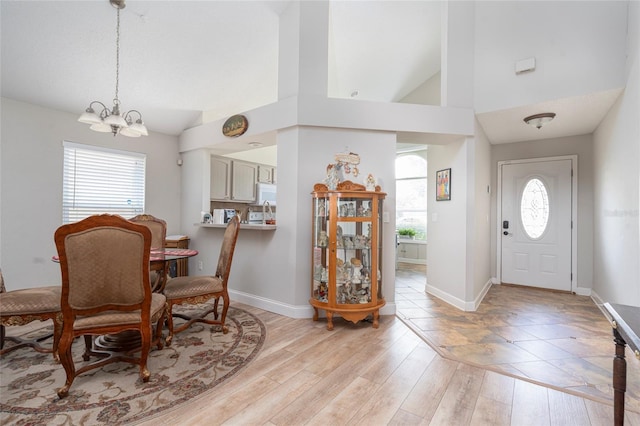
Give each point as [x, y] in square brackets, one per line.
[111, 120]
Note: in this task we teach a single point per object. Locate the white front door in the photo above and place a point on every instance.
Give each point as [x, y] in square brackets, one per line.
[536, 224]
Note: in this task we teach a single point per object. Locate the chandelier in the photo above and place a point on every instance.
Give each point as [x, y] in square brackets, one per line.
[112, 120]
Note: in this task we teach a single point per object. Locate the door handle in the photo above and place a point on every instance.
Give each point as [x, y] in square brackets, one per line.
[507, 233]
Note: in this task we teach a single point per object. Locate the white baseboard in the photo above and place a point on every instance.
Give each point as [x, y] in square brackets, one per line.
[481, 295]
[583, 291]
[413, 261]
[596, 298]
[291, 311]
[458, 303]
[452, 300]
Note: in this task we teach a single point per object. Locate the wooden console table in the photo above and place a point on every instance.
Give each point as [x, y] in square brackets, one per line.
[178, 268]
[625, 321]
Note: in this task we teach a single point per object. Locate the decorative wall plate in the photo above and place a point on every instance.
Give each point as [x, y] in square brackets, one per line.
[235, 126]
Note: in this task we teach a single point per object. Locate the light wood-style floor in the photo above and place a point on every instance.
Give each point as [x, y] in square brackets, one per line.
[357, 375]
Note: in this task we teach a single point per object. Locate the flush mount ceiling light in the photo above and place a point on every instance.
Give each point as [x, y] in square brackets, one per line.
[538, 120]
[111, 120]
[255, 144]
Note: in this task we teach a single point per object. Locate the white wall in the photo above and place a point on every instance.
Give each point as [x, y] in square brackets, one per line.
[447, 225]
[579, 47]
[428, 93]
[582, 146]
[479, 215]
[458, 259]
[272, 269]
[458, 64]
[616, 197]
[31, 191]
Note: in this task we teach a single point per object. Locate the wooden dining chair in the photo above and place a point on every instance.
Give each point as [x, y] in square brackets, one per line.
[158, 228]
[195, 290]
[104, 261]
[20, 307]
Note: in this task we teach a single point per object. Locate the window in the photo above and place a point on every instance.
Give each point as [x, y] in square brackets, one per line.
[411, 194]
[99, 180]
[534, 208]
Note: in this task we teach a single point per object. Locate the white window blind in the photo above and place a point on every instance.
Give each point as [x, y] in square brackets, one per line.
[100, 180]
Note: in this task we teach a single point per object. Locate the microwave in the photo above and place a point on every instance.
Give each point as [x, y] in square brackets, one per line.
[266, 192]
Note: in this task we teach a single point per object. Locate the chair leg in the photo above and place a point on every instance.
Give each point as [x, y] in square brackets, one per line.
[64, 351]
[2, 336]
[215, 308]
[88, 346]
[159, 342]
[57, 332]
[225, 308]
[169, 312]
[145, 335]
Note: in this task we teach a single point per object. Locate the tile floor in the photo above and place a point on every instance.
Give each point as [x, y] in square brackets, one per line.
[561, 340]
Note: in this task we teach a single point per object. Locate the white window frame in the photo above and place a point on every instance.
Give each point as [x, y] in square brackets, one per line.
[100, 180]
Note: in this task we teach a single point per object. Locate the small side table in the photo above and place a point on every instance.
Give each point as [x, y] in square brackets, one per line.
[178, 268]
[625, 321]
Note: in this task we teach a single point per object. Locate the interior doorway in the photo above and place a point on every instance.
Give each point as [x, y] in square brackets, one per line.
[536, 223]
[411, 210]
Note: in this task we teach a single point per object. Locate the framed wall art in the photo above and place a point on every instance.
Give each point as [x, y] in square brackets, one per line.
[443, 185]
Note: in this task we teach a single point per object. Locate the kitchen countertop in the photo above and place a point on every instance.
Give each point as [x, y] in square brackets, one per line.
[243, 226]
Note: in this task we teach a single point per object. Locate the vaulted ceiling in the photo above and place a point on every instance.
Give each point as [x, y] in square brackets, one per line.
[180, 59]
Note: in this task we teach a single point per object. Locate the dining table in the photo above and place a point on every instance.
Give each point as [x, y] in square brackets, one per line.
[160, 260]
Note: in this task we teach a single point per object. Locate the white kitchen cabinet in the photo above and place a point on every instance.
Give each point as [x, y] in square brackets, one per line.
[220, 178]
[412, 251]
[243, 181]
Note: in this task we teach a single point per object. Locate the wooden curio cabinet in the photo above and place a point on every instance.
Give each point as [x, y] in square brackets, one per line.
[346, 252]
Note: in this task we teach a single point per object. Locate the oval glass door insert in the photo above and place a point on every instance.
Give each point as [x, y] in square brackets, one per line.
[534, 208]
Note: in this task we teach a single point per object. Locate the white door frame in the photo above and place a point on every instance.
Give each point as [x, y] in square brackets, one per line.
[574, 214]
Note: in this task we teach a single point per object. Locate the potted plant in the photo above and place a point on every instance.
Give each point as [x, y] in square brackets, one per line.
[408, 233]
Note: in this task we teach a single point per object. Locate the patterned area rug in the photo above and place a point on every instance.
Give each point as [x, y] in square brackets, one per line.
[199, 359]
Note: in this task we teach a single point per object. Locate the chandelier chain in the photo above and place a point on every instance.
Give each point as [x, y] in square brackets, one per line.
[116, 100]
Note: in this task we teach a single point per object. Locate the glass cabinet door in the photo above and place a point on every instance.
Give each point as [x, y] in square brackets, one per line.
[320, 249]
[353, 264]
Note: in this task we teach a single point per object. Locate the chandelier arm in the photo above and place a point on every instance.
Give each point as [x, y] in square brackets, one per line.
[105, 110]
[126, 115]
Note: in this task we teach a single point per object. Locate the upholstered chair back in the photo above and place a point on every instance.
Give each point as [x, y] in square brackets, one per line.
[227, 249]
[158, 228]
[101, 264]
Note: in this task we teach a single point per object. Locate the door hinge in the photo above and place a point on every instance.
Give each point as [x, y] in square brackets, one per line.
[571, 172]
[571, 277]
